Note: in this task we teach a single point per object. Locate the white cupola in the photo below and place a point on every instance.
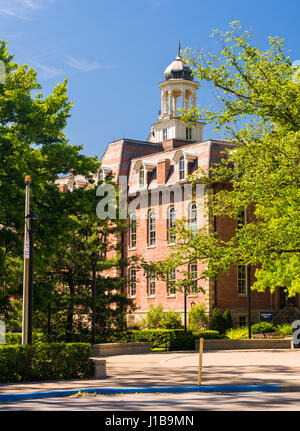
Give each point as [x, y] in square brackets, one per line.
[178, 94]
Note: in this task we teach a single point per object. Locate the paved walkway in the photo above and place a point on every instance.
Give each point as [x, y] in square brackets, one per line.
[238, 367]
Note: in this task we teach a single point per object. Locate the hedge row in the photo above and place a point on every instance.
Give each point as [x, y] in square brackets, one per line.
[164, 339]
[45, 361]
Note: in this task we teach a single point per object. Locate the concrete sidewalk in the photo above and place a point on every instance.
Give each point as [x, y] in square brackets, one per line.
[238, 367]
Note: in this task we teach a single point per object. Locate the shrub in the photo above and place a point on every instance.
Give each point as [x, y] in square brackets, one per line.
[171, 320]
[217, 321]
[228, 322]
[262, 328]
[284, 329]
[237, 333]
[198, 318]
[153, 317]
[16, 337]
[45, 361]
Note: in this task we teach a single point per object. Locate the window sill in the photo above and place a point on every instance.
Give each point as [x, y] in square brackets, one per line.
[150, 246]
[132, 296]
[131, 248]
[171, 296]
[192, 295]
[242, 294]
[171, 244]
[151, 297]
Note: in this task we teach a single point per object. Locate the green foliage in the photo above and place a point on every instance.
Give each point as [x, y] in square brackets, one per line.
[157, 318]
[198, 318]
[45, 361]
[237, 333]
[217, 321]
[16, 337]
[260, 114]
[171, 320]
[228, 321]
[284, 329]
[262, 328]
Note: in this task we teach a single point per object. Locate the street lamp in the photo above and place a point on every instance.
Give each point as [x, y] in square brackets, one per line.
[94, 260]
[31, 221]
[50, 280]
[249, 299]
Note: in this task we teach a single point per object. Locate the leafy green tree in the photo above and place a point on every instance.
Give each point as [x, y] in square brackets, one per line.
[259, 101]
[32, 142]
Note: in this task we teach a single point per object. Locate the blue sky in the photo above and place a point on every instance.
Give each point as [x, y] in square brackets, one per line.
[114, 52]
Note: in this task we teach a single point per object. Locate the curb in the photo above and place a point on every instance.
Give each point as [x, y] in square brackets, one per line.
[153, 389]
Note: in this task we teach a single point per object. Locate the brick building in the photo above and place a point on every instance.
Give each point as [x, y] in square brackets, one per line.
[155, 172]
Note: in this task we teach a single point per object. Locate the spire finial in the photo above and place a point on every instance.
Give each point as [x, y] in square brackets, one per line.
[178, 47]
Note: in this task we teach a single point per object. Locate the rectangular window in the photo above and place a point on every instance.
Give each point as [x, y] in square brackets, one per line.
[193, 274]
[242, 321]
[242, 279]
[132, 234]
[188, 133]
[171, 288]
[151, 228]
[151, 286]
[132, 282]
[165, 134]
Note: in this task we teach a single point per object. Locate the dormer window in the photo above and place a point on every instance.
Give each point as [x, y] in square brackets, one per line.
[165, 134]
[181, 167]
[188, 133]
[142, 176]
[101, 176]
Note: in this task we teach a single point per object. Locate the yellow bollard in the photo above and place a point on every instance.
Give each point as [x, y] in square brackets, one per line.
[200, 361]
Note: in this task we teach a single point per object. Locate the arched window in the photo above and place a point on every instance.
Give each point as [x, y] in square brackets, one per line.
[132, 231]
[171, 224]
[142, 176]
[151, 227]
[193, 217]
[181, 168]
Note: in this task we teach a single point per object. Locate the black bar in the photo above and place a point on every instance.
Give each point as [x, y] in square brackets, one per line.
[30, 285]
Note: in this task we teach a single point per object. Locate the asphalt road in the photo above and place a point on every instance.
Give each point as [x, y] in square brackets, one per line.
[255, 401]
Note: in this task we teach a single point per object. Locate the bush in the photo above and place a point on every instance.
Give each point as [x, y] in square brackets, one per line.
[171, 320]
[198, 318]
[228, 321]
[285, 329]
[153, 317]
[45, 361]
[237, 333]
[217, 321]
[262, 328]
[16, 337]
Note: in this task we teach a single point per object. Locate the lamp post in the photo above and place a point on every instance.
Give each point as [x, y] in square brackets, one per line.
[184, 308]
[31, 226]
[94, 260]
[50, 274]
[249, 299]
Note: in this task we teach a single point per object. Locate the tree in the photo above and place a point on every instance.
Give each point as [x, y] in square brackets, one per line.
[32, 141]
[260, 100]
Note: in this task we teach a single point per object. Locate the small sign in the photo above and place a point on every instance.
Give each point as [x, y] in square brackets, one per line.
[26, 250]
[2, 332]
[265, 316]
